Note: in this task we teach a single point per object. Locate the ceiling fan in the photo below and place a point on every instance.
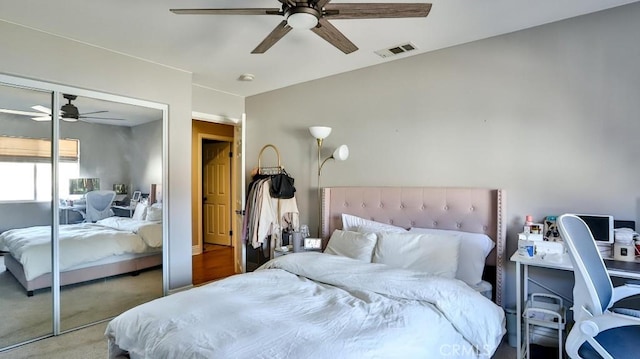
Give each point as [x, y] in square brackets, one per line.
[68, 112]
[314, 15]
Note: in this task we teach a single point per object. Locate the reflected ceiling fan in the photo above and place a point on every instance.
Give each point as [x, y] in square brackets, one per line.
[314, 15]
[68, 112]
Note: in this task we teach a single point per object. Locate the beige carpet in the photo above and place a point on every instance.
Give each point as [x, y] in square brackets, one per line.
[90, 343]
[24, 318]
[85, 343]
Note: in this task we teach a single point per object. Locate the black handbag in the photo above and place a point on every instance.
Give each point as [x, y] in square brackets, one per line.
[282, 186]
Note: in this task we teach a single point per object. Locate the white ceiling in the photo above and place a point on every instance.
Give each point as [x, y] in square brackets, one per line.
[217, 48]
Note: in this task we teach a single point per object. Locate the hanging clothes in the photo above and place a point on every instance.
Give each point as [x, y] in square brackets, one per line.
[265, 216]
[275, 215]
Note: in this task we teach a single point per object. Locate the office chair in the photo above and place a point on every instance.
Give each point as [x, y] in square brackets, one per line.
[600, 331]
[99, 205]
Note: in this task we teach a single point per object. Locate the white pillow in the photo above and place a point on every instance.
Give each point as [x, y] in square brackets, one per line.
[474, 249]
[352, 244]
[154, 214]
[140, 212]
[429, 253]
[353, 223]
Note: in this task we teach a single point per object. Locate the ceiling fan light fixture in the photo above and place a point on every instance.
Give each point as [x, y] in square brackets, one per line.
[302, 20]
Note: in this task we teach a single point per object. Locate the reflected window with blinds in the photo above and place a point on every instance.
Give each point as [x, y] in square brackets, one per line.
[25, 165]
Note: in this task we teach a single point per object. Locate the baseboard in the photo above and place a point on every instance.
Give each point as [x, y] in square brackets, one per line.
[195, 250]
[181, 289]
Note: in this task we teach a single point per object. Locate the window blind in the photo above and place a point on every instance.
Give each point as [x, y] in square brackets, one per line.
[21, 149]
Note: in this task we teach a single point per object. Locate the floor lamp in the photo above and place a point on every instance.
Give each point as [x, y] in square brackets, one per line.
[340, 154]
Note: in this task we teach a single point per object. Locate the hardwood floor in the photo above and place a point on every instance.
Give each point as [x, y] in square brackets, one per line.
[216, 262]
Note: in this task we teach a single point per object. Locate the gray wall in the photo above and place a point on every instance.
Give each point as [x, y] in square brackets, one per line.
[550, 114]
[146, 156]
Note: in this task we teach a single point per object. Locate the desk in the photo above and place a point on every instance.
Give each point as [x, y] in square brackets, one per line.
[619, 269]
[130, 209]
[65, 210]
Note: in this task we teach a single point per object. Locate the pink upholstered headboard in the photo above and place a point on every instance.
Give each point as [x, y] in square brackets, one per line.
[476, 210]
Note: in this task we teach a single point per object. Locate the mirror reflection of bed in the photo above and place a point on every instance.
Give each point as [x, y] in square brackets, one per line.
[121, 154]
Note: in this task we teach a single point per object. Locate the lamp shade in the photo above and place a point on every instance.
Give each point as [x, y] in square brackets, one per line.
[320, 132]
[302, 20]
[341, 153]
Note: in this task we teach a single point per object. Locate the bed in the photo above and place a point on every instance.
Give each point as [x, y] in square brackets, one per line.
[111, 246]
[323, 305]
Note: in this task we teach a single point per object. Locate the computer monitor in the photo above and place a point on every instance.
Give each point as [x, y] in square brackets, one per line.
[601, 227]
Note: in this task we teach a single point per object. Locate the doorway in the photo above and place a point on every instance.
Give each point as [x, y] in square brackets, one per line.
[216, 191]
[213, 198]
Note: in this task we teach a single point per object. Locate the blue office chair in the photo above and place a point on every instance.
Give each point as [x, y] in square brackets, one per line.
[600, 331]
[99, 205]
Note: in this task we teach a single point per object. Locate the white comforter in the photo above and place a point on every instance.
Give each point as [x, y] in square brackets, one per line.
[151, 232]
[79, 243]
[314, 305]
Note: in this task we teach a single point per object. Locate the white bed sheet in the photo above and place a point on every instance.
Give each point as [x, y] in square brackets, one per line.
[79, 243]
[314, 305]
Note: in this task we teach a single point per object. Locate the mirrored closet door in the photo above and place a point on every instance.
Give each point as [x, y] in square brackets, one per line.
[115, 150]
[25, 210]
[104, 190]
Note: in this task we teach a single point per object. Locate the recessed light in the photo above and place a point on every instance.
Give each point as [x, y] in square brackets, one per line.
[246, 77]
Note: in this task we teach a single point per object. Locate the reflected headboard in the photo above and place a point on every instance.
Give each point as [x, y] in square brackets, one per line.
[476, 210]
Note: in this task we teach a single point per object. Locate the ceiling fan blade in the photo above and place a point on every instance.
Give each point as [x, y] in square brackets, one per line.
[101, 118]
[275, 35]
[92, 113]
[245, 11]
[42, 109]
[21, 113]
[376, 10]
[328, 32]
[41, 118]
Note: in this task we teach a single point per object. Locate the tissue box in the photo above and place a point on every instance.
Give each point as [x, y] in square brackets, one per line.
[545, 247]
[530, 237]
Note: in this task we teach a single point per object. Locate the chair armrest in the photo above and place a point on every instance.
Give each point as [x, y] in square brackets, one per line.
[608, 320]
[625, 291]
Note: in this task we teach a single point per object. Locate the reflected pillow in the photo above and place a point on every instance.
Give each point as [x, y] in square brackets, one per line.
[427, 253]
[352, 244]
[474, 249]
[140, 212]
[154, 214]
[354, 223]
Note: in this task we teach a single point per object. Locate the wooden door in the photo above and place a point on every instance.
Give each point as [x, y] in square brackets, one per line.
[216, 183]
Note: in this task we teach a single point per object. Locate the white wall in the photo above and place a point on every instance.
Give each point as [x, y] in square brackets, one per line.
[214, 102]
[549, 114]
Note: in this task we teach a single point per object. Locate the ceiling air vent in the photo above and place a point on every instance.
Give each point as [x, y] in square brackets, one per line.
[396, 50]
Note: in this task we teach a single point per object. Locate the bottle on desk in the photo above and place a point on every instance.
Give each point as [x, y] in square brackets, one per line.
[532, 233]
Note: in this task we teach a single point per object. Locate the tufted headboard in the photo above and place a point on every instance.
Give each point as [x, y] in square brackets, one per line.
[476, 210]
